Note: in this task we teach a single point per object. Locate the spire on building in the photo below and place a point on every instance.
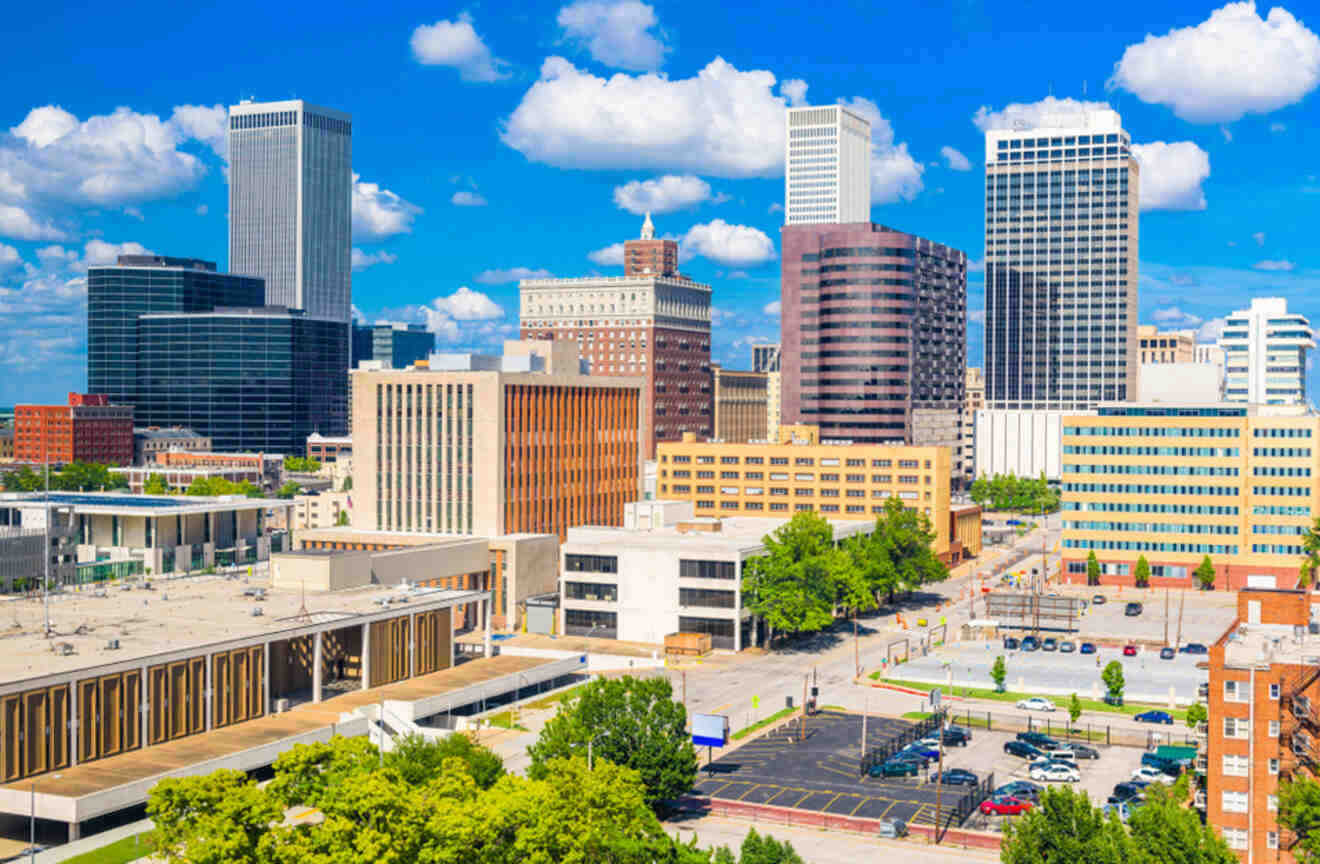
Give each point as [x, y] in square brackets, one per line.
[648, 230]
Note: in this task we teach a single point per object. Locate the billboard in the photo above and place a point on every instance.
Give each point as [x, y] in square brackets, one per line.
[710, 730]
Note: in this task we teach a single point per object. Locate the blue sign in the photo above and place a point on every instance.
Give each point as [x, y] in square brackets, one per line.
[710, 730]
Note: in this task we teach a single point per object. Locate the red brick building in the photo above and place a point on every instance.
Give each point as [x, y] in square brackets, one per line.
[655, 325]
[88, 429]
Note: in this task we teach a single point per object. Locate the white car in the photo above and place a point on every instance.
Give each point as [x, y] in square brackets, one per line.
[1150, 775]
[1055, 772]
[1036, 703]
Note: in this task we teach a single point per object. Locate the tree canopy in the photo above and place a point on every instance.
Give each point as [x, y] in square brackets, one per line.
[1299, 812]
[301, 464]
[74, 477]
[210, 487]
[629, 721]
[1010, 492]
[1113, 678]
[155, 485]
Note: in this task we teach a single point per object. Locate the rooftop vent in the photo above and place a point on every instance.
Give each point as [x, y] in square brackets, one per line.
[64, 649]
[256, 612]
[112, 645]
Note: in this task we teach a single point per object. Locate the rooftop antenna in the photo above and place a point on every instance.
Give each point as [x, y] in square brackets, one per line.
[303, 614]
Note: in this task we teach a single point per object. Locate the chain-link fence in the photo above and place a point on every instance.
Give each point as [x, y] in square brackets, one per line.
[1099, 734]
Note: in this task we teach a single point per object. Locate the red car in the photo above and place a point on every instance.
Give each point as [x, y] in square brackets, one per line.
[1129, 650]
[1004, 805]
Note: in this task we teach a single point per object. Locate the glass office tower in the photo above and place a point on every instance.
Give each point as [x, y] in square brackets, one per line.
[259, 379]
[140, 284]
[398, 346]
[290, 203]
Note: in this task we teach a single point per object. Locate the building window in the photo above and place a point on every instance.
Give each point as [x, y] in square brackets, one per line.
[1235, 802]
[1235, 766]
[1235, 727]
[1236, 838]
[1272, 803]
[707, 597]
[706, 569]
[1271, 839]
[591, 563]
[1274, 766]
[1235, 691]
[591, 591]
[1274, 728]
[1274, 691]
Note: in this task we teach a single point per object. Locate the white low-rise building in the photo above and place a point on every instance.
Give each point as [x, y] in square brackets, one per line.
[666, 572]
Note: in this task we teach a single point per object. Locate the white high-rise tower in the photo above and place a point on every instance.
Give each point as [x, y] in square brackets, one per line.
[1265, 351]
[290, 203]
[827, 166]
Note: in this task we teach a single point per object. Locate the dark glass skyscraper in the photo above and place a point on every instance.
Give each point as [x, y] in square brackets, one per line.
[252, 379]
[398, 346]
[140, 284]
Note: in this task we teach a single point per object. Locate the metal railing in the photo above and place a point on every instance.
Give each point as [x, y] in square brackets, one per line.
[966, 804]
[878, 755]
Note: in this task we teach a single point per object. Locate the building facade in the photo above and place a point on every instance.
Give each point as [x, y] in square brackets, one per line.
[321, 510]
[496, 445]
[1061, 208]
[799, 471]
[1177, 483]
[290, 204]
[654, 327]
[649, 255]
[1165, 346]
[258, 379]
[741, 404]
[974, 401]
[88, 429]
[765, 357]
[140, 284]
[1021, 443]
[774, 404]
[326, 448]
[395, 345]
[1265, 352]
[827, 166]
[873, 334]
[151, 440]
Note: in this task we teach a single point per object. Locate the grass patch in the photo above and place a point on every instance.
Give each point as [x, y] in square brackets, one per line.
[1129, 709]
[118, 852]
[761, 724]
[553, 699]
[504, 720]
[971, 722]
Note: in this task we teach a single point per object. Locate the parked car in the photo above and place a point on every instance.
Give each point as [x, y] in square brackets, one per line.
[1111, 699]
[1150, 775]
[1123, 809]
[1128, 789]
[954, 729]
[1011, 644]
[1036, 703]
[1129, 650]
[1087, 648]
[1167, 653]
[1194, 648]
[917, 750]
[1019, 789]
[1098, 600]
[896, 767]
[1023, 749]
[894, 828]
[1132, 610]
[1055, 772]
[1154, 717]
[1039, 740]
[1062, 754]
[1031, 643]
[1066, 647]
[1050, 644]
[1004, 805]
[1171, 767]
[956, 737]
[1081, 751]
[956, 777]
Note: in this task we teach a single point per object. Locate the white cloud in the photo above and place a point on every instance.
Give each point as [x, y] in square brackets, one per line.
[357, 313]
[1031, 113]
[776, 207]
[134, 213]
[363, 260]
[610, 256]
[9, 258]
[772, 308]
[98, 252]
[615, 32]
[733, 245]
[975, 265]
[1227, 133]
[956, 160]
[1283, 266]
[794, 90]
[895, 175]
[204, 123]
[456, 44]
[1171, 175]
[1259, 237]
[662, 194]
[466, 198]
[1176, 317]
[513, 274]
[1231, 64]
[1210, 330]
[379, 213]
[21, 225]
[458, 315]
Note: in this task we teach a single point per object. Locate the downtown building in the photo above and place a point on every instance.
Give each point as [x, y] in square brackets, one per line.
[1061, 218]
[1265, 353]
[393, 345]
[87, 429]
[653, 324]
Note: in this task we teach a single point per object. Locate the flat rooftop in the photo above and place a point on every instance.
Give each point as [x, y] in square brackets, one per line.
[738, 532]
[1260, 645]
[177, 615]
[110, 503]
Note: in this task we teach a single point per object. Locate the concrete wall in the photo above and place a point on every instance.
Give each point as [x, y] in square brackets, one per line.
[313, 572]
[1180, 382]
[532, 567]
[419, 563]
[1024, 443]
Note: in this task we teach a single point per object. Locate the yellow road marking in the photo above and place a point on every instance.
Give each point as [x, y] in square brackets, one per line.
[805, 796]
[832, 800]
[777, 794]
[892, 805]
[750, 791]
[716, 793]
[859, 806]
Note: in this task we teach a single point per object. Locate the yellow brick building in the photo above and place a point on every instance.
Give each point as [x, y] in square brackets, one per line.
[1178, 482]
[838, 480]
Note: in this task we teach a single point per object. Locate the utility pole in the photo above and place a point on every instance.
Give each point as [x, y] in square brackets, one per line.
[684, 674]
[1182, 601]
[857, 651]
[940, 783]
[45, 578]
[802, 730]
[866, 709]
[1166, 616]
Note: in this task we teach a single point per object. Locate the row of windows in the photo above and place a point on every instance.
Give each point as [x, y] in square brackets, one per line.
[1169, 470]
[1293, 530]
[781, 491]
[591, 563]
[1272, 549]
[1139, 546]
[1281, 510]
[683, 474]
[1127, 507]
[1149, 489]
[1282, 491]
[1150, 431]
[782, 506]
[801, 461]
[1282, 452]
[1281, 433]
[1115, 450]
[1151, 527]
[1271, 471]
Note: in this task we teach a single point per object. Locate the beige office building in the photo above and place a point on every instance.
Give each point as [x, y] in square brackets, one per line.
[1165, 346]
[975, 401]
[741, 404]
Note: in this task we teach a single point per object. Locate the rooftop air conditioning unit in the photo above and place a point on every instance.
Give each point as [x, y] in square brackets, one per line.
[112, 645]
[256, 612]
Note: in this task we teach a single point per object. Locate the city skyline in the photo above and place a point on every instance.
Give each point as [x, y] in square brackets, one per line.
[1225, 183]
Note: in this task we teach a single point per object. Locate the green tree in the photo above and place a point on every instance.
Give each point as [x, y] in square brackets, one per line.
[980, 490]
[908, 542]
[218, 818]
[1113, 678]
[24, 480]
[628, 721]
[1299, 812]
[1065, 829]
[998, 673]
[1143, 572]
[764, 849]
[155, 485]
[1092, 569]
[1205, 574]
[417, 760]
[301, 464]
[1164, 830]
[211, 487]
[1311, 549]
[1074, 708]
[307, 773]
[342, 519]
[87, 477]
[1196, 714]
[288, 490]
[793, 586]
[348, 484]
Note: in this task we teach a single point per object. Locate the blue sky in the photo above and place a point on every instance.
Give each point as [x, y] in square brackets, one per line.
[493, 140]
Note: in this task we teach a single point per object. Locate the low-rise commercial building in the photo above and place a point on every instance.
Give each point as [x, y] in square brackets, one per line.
[328, 448]
[321, 510]
[1177, 483]
[7, 445]
[179, 468]
[87, 429]
[151, 440]
[22, 544]
[667, 572]
[839, 480]
[1155, 346]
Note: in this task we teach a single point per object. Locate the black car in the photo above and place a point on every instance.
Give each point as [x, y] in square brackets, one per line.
[1020, 789]
[1031, 643]
[1081, 751]
[1098, 600]
[957, 777]
[1132, 610]
[1039, 740]
[1050, 644]
[1194, 648]
[1128, 789]
[955, 738]
[1011, 644]
[1023, 749]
